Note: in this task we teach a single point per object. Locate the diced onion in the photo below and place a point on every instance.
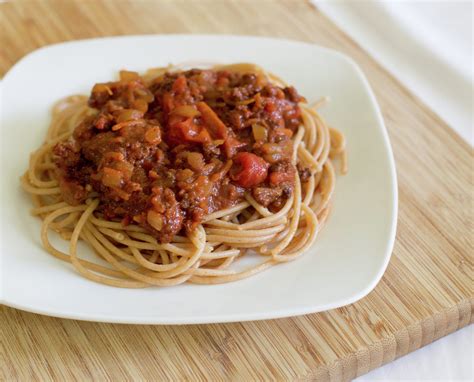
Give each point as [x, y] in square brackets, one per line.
[129, 115]
[114, 155]
[274, 158]
[112, 177]
[246, 101]
[184, 174]
[141, 104]
[259, 132]
[126, 75]
[271, 148]
[196, 161]
[153, 135]
[155, 220]
[101, 88]
[187, 111]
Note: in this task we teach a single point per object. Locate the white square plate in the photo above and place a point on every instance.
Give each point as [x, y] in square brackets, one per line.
[346, 262]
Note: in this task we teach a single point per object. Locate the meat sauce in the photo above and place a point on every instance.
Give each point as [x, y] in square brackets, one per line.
[165, 154]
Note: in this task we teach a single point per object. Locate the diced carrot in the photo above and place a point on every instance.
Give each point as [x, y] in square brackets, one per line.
[168, 102]
[216, 127]
[180, 85]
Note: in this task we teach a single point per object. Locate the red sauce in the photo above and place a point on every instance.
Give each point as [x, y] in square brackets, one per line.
[164, 155]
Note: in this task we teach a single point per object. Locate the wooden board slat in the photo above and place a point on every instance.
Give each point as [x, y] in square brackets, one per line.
[425, 293]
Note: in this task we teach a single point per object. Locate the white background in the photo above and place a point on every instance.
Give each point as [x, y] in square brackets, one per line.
[428, 47]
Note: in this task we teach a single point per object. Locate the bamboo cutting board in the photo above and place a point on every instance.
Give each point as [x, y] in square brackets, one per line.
[425, 293]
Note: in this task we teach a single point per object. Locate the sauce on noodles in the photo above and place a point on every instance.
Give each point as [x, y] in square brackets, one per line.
[164, 153]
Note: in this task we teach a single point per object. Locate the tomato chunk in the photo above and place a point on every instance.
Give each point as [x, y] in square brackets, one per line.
[186, 132]
[251, 169]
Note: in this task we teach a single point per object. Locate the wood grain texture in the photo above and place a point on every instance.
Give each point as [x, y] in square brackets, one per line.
[425, 293]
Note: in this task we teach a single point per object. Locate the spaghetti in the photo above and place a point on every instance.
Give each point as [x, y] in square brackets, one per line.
[206, 250]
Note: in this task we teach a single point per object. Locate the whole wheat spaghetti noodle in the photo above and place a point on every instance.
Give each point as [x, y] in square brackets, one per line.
[134, 258]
